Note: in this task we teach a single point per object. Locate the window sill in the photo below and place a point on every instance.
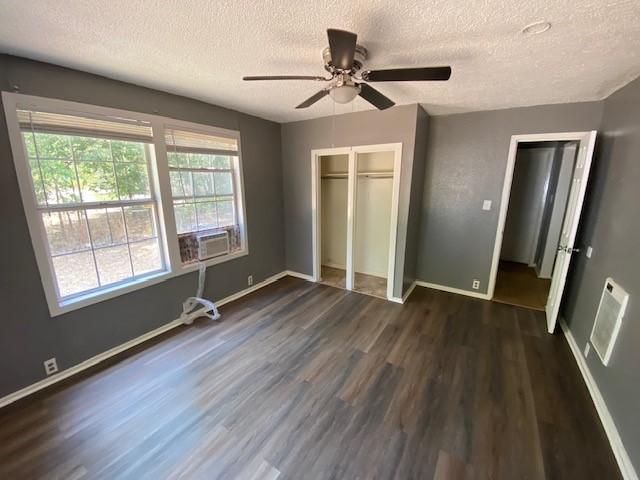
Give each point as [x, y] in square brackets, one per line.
[192, 267]
[81, 301]
[76, 303]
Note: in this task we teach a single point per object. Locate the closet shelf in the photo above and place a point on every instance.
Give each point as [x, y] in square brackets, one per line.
[381, 174]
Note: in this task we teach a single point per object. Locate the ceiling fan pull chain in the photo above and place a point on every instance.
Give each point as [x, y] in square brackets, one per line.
[333, 125]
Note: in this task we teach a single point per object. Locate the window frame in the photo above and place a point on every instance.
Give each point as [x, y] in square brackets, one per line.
[238, 185]
[167, 197]
[160, 187]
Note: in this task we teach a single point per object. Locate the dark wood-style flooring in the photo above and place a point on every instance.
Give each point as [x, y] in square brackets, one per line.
[306, 381]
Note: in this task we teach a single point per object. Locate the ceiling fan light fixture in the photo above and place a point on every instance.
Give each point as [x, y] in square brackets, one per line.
[344, 93]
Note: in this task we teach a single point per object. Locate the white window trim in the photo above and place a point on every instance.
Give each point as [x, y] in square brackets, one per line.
[239, 187]
[159, 174]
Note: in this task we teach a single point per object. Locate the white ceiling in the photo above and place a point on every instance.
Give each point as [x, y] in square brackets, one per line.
[202, 48]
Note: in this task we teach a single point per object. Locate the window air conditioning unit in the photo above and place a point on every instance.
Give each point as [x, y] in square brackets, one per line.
[213, 245]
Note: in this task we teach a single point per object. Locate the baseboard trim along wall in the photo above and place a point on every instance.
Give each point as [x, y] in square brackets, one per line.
[309, 278]
[58, 377]
[409, 291]
[303, 276]
[459, 291]
[405, 296]
[334, 265]
[624, 462]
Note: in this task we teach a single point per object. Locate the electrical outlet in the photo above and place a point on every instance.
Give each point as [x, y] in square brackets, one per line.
[476, 284]
[486, 205]
[250, 280]
[50, 366]
[587, 349]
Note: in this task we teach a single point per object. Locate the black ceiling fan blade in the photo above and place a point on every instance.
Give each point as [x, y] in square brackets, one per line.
[314, 98]
[286, 77]
[374, 97]
[407, 74]
[343, 48]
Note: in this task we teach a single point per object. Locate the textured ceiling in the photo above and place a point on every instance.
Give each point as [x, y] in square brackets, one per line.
[202, 48]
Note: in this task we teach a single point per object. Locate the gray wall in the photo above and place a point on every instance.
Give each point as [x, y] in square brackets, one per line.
[611, 224]
[397, 124]
[415, 202]
[29, 335]
[522, 227]
[466, 162]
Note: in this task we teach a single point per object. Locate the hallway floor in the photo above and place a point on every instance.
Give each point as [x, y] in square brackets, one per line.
[517, 284]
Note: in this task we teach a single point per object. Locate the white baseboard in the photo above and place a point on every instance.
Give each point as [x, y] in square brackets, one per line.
[405, 296]
[459, 291]
[624, 462]
[334, 265]
[380, 274]
[252, 288]
[409, 291]
[303, 276]
[12, 397]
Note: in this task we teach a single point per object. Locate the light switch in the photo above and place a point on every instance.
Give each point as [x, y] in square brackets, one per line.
[486, 205]
[589, 251]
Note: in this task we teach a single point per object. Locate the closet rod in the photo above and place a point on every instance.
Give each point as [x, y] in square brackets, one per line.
[360, 174]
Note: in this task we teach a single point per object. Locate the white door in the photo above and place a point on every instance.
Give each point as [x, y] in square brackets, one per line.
[569, 227]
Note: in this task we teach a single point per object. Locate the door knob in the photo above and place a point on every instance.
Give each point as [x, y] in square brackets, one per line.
[562, 248]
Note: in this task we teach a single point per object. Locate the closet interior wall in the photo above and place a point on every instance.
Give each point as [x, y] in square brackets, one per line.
[334, 196]
[373, 221]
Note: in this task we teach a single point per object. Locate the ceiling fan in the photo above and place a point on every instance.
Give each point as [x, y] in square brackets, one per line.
[343, 59]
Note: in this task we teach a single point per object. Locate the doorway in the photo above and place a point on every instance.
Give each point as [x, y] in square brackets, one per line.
[537, 203]
[355, 213]
[541, 204]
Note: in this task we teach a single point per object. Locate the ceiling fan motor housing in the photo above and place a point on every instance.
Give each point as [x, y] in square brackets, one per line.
[358, 59]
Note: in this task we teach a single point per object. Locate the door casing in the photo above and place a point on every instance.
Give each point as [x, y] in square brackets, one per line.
[583, 163]
[316, 203]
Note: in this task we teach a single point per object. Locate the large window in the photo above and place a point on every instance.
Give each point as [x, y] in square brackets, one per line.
[92, 180]
[203, 170]
[94, 199]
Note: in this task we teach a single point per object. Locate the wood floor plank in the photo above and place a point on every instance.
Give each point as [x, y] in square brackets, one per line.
[302, 380]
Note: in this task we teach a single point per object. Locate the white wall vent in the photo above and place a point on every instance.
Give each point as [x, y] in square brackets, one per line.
[608, 319]
[213, 245]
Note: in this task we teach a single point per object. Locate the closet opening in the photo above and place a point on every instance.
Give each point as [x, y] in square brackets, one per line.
[334, 191]
[355, 194]
[374, 192]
